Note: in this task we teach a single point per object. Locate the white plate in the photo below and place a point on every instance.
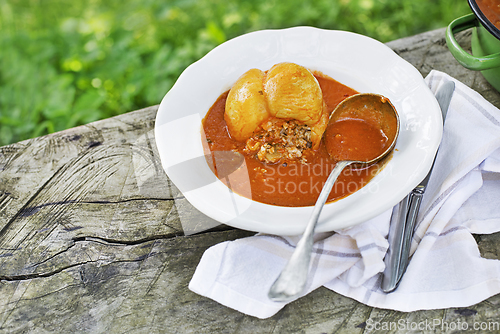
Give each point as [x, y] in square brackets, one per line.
[357, 61]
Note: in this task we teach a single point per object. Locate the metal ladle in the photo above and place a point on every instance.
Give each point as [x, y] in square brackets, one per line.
[372, 108]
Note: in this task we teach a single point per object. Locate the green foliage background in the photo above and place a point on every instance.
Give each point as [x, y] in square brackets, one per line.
[69, 62]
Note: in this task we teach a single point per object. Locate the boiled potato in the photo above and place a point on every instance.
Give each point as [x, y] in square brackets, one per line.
[293, 92]
[287, 91]
[246, 106]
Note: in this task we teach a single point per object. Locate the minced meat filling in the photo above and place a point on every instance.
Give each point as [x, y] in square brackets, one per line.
[280, 139]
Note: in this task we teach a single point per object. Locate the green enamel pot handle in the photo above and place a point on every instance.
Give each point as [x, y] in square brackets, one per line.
[463, 57]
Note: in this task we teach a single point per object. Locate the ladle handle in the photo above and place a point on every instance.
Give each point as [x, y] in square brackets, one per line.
[292, 280]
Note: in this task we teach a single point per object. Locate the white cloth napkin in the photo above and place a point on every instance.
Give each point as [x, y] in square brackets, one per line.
[446, 269]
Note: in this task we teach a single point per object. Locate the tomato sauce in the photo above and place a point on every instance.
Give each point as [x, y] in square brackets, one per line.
[490, 9]
[355, 139]
[285, 184]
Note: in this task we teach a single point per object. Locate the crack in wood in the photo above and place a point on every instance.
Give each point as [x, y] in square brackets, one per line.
[52, 257]
[25, 277]
[103, 241]
[118, 242]
[28, 211]
[40, 275]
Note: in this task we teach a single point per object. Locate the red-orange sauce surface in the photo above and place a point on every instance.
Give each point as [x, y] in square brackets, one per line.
[355, 139]
[292, 183]
[490, 9]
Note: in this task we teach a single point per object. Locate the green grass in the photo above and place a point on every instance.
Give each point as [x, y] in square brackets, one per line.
[69, 62]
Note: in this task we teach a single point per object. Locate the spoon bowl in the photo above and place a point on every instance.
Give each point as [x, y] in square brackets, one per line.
[362, 128]
[361, 131]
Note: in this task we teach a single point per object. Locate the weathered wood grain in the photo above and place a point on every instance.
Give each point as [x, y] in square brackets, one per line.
[94, 237]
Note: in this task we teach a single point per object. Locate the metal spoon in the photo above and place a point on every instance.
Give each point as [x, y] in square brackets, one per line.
[372, 108]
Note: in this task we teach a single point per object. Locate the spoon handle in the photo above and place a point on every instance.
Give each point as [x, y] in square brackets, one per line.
[292, 280]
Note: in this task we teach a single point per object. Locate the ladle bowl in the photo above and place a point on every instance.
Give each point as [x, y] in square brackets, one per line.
[363, 111]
